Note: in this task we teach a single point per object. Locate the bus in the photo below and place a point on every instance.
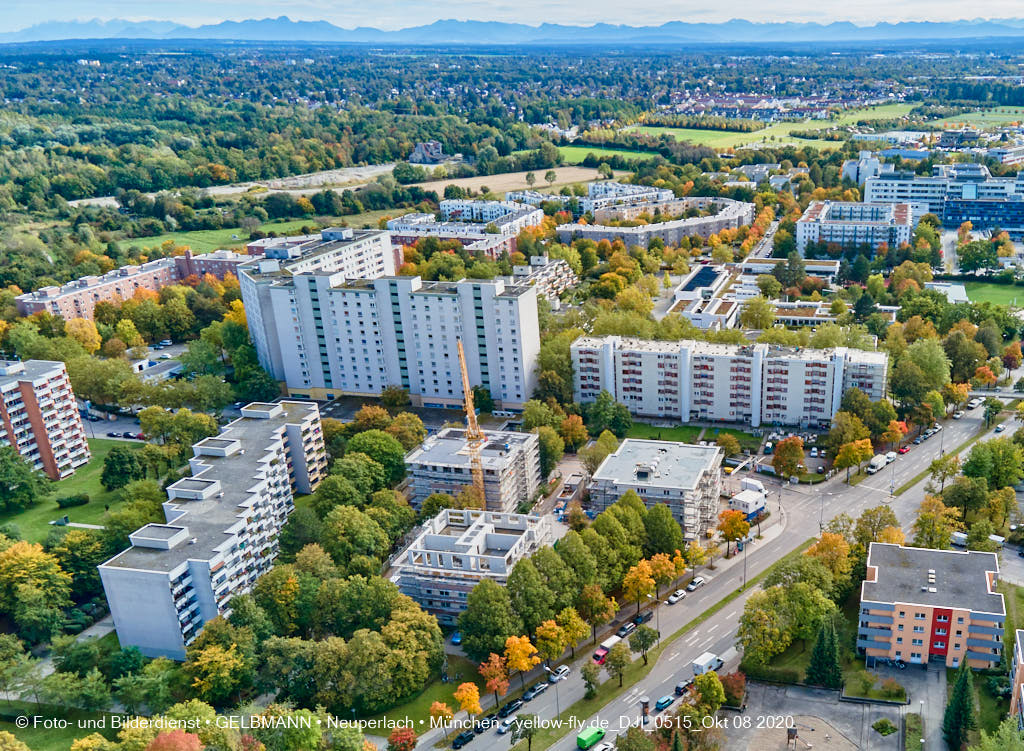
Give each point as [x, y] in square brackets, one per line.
[589, 737]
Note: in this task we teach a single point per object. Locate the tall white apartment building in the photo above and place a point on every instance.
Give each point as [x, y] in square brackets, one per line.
[685, 477]
[851, 225]
[510, 463]
[701, 381]
[221, 530]
[39, 417]
[324, 334]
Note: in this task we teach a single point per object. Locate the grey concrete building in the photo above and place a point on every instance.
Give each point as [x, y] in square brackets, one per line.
[221, 528]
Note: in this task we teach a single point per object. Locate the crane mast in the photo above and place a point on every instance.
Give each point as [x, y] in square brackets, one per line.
[474, 436]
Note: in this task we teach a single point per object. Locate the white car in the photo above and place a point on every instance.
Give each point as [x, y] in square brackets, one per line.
[697, 583]
[958, 414]
[1000, 428]
[676, 596]
[814, 452]
[506, 725]
[890, 457]
[558, 674]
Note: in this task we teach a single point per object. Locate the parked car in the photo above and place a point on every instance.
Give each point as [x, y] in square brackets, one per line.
[141, 437]
[958, 414]
[605, 747]
[814, 452]
[534, 691]
[457, 638]
[506, 725]
[890, 457]
[1000, 428]
[113, 434]
[697, 583]
[903, 450]
[625, 630]
[683, 686]
[676, 596]
[509, 708]
[166, 342]
[558, 674]
[164, 356]
[463, 738]
[485, 723]
[664, 702]
[128, 434]
[919, 440]
[643, 617]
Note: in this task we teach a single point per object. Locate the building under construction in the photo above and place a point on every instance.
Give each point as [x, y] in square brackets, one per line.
[444, 464]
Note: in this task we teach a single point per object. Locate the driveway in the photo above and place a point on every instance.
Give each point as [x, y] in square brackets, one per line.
[926, 689]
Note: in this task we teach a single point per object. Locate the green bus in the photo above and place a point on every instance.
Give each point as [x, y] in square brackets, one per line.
[589, 737]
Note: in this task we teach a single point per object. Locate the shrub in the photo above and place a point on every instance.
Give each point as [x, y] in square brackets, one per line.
[884, 726]
[864, 681]
[735, 686]
[776, 675]
[891, 689]
[79, 499]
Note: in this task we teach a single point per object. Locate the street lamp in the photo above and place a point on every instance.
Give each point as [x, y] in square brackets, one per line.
[558, 711]
[821, 511]
[657, 613]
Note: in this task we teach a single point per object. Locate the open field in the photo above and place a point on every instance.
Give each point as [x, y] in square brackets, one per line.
[684, 433]
[517, 180]
[982, 118]
[777, 132]
[1000, 294]
[576, 154]
[417, 709]
[34, 522]
[204, 241]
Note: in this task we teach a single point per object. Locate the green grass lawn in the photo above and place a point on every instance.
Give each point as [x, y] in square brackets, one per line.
[576, 154]
[418, 708]
[52, 739]
[982, 118]
[747, 440]
[204, 241]
[1000, 294]
[683, 433]
[778, 132]
[34, 522]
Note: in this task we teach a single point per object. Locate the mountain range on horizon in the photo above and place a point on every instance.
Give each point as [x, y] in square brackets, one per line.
[283, 29]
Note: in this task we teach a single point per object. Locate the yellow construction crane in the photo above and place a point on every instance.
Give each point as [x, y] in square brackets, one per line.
[474, 436]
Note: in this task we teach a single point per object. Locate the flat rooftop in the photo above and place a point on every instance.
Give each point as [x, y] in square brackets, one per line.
[449, 448]
[961, 578]
[208, 520]
[659, 464]
[704, 276]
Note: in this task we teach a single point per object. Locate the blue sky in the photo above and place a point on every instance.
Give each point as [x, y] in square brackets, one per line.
[392, 14]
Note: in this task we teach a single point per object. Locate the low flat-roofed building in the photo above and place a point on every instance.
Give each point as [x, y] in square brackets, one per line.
[922, 605]
[954, 292]
[510, 461]
[221, 528]
[685, 477]
[458, 548]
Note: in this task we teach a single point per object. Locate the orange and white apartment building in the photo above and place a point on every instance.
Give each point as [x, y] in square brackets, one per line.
[922, 605]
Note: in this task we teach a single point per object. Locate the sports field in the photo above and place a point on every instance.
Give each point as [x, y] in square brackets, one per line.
[983, 118]
[576, 154]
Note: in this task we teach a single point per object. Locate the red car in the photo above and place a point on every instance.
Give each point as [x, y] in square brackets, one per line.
[904, 449]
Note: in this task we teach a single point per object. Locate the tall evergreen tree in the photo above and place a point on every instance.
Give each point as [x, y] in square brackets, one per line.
[959, 716]
[824, 669]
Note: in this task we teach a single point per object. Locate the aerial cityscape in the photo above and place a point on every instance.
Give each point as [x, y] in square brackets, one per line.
[535, 377]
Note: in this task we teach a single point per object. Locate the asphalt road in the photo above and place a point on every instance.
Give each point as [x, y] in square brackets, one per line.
[803, 509]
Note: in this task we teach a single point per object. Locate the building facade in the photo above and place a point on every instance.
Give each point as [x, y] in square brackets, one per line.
[852, 225]
[1017, 679]
[325, 332]
[694, 381]
[459, 548]
[487, 226]
[921, 605]
[551, 276]
[40, 418]
[729, 214]
[78, 299]
[685, 477]
[510, 461]
[221, 530]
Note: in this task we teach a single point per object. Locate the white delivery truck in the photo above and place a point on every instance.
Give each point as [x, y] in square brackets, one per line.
[877, 462]
[706, 663]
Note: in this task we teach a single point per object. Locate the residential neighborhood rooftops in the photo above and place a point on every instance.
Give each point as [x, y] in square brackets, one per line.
[658, 463]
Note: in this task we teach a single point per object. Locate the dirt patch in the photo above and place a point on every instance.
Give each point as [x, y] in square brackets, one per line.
[811, 732]
[517, 180]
